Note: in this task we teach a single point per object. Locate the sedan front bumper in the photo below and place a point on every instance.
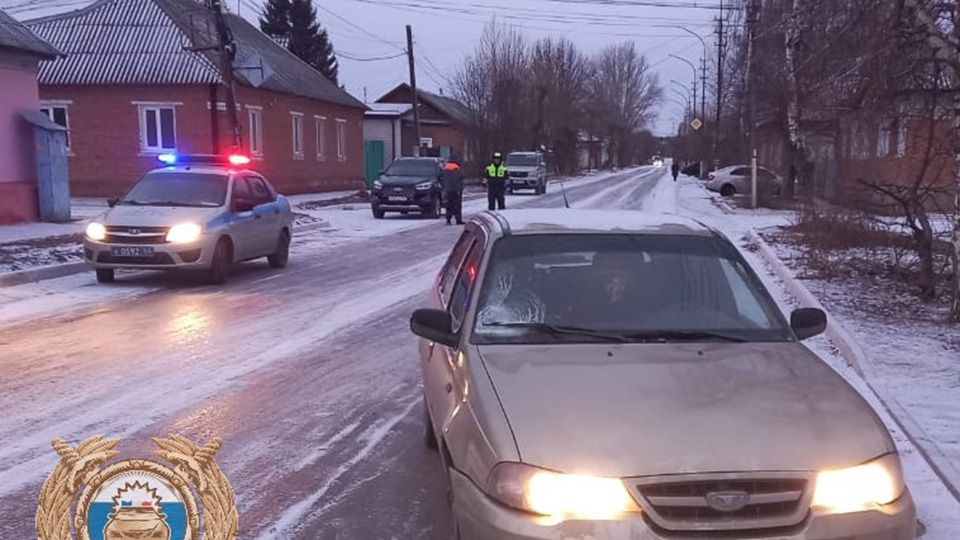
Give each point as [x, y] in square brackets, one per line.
[481, 518]
[192, 256]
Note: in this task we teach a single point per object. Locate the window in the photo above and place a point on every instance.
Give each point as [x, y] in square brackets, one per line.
[463, 289]
[241, 191]
[256, 131]
[902, 137]
[174, 188]
[297, 135]
[261, 193]
[426, 142]
[57, 112]
[321, 125]
[341, 139]
[158, 128]
[449, 272]
[742, 171]
[884, 138]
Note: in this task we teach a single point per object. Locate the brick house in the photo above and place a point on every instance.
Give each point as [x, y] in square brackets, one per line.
[129, 89]
[445, 126]
[21, 52]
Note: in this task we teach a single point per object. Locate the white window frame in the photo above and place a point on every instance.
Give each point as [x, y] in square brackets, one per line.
[341, 139]
[902, 133]
[64, 104]
[296, 121]
[884, 138]
[320, 126]
[255, 117]
[157, 106]
[426, 142]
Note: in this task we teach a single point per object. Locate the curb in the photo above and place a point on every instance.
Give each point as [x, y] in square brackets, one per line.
[42, 273]
[30, 275]
[855, 356]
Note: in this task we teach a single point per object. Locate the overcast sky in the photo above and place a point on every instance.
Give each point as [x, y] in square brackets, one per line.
[445, 32]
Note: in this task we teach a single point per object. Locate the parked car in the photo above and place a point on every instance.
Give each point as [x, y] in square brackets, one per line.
[735, 179]
[692, 169]
[410, 184]
[526, 170]
[198, 212]
[615, 374]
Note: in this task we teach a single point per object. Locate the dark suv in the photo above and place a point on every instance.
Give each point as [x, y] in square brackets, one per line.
[408, 185]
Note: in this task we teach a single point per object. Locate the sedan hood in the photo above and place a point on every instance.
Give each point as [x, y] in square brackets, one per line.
[405, 180]
[157, 216]
[654, 409]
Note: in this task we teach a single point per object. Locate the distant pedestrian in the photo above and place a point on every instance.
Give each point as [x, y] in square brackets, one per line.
[496, 174]
[452, 183]
[675, 169]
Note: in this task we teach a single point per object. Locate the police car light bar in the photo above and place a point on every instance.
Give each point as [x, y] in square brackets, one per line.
[232, 159]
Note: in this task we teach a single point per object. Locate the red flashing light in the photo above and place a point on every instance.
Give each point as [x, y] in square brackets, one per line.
[472, 272]
[237, 159]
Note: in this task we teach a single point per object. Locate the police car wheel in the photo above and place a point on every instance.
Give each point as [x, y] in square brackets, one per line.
[280, 258]
[220, 264]
[105, 275]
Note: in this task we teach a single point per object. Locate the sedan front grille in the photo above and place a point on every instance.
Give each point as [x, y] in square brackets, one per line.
[517, 174]
[734, 503]
[135, 235]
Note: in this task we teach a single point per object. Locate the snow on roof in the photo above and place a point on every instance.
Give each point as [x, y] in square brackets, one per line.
[388, 109]
[626, 221]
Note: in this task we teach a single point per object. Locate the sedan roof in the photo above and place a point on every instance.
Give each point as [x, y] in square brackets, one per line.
[566, 220]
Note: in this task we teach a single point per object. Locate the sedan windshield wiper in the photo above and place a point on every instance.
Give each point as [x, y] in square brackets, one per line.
[683, 335]
[563, 330]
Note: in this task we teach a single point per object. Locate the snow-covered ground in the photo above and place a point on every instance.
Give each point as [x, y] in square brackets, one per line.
[914, 361]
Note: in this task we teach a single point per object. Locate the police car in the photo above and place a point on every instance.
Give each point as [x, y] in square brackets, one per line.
[194, 212]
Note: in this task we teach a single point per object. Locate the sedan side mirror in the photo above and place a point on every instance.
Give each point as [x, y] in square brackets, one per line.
[112, 201]
[808, 322]
[434, 325]
[242, 205]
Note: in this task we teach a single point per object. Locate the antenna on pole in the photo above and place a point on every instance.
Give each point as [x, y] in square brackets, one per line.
[563, 190]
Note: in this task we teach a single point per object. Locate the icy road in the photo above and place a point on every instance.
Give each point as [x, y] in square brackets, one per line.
[309, 375]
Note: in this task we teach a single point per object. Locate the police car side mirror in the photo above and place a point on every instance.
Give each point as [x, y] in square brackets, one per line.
[242, 205]
[112, 201]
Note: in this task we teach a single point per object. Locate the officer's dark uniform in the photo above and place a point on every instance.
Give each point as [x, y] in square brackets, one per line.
[496, 174]
[452, 182]
[675, 169]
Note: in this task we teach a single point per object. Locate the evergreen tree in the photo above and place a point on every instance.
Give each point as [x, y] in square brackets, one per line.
[275, 21]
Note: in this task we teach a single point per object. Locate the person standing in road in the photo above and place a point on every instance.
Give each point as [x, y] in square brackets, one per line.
[496, 174]
[452, 183]
[675, 169]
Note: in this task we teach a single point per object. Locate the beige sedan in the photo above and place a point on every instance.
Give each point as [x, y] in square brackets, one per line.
[603, 374]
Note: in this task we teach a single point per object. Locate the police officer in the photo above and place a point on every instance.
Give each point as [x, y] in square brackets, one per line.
[452, 183]
[496, 174]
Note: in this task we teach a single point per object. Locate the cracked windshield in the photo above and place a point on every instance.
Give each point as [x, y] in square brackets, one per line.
[479, 269]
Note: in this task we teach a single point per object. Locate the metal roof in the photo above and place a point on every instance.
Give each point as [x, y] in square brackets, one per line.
[143, 42]
[17, 37]
[559, 220]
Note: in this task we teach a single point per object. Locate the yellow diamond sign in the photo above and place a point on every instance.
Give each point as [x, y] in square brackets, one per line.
[696, 124]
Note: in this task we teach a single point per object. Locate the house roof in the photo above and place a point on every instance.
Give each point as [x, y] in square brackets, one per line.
[388, 110]
[449, 107]
[146, 41]
[17, 37]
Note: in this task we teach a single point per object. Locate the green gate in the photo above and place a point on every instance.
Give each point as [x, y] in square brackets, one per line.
[372, 160]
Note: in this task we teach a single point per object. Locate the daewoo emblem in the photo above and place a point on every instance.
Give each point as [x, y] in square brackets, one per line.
[727, 501]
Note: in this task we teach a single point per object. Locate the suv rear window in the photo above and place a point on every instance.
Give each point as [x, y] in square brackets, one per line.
[174, 188]
[413, 167]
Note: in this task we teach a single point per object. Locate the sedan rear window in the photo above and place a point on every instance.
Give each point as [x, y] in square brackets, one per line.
[622, 287]
[173, 188]
[413, 167]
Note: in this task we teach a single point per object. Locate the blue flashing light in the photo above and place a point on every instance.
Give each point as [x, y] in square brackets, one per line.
[169, 159]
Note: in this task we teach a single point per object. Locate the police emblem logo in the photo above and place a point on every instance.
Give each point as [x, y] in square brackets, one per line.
[137, 498]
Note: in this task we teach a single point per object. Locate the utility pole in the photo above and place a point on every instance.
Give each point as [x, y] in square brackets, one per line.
[227, 53]
[716, 135]
[753, 18]
[413, 87]
[703, 111]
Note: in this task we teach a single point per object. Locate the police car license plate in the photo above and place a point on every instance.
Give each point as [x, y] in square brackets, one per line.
[399, 198]
[131, 251]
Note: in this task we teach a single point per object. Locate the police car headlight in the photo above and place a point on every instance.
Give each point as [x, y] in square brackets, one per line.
[423, 186]
[96, 231]
[184, 233]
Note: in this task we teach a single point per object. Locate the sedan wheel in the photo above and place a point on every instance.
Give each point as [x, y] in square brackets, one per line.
[728, 190]
[281, 256]
[220, 265]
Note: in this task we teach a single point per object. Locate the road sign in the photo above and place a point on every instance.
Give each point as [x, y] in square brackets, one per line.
[696, 124]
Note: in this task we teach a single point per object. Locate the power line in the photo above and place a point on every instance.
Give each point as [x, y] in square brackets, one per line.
[360, 28]
[358, 58]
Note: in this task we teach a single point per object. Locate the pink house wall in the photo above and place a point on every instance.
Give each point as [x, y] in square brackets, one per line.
[18, 91]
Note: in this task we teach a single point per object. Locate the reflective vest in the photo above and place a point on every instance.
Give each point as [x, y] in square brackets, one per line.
[496, 172]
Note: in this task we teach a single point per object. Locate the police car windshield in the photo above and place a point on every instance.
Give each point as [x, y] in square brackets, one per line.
[522, 160]
[413, 167]
[170, 188]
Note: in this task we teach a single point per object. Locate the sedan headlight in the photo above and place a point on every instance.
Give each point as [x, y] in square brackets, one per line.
[184, 233]
[424, 186]
[559, 496]
[863, 487]
[377, 184]
[96, 231]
